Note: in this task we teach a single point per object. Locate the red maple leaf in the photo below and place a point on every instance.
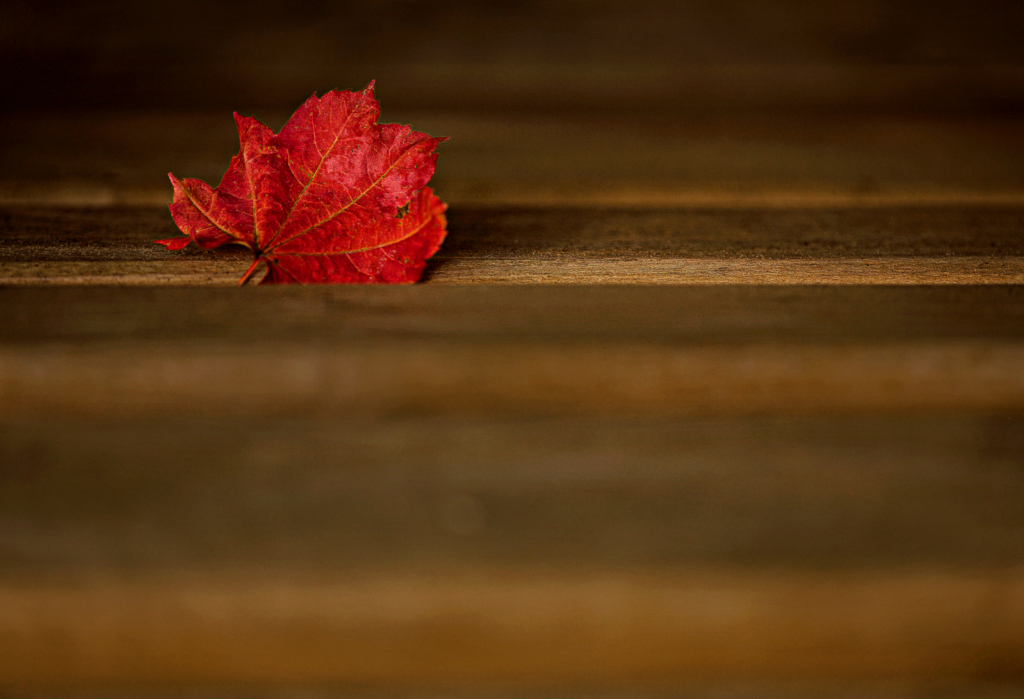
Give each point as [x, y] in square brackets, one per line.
[334, 197]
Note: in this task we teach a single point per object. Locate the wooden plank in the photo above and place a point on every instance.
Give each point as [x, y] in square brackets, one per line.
[662, 158]
[337, 316]
[919, 270]
[489, 629]
[909, 55]
[85, 498]
[698, 56]
[889, 245]
[515, 378]
[227, 270]
[671, 350]
[52, 234]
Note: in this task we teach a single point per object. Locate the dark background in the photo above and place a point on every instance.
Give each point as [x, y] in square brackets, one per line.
[862, 55]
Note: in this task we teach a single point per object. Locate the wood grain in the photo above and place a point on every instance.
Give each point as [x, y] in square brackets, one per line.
[886, 245]
[919, 270]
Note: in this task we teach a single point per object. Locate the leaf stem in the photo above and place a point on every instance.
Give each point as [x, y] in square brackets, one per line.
[248, 272]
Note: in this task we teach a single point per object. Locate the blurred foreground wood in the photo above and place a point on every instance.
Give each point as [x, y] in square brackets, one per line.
[510, 350]
[481, 552]
[519, 487]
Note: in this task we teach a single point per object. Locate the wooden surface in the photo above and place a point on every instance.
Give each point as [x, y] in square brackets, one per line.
[781, 447]
[715, 389]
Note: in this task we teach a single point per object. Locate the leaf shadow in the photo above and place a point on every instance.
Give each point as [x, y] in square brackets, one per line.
[433, 265]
